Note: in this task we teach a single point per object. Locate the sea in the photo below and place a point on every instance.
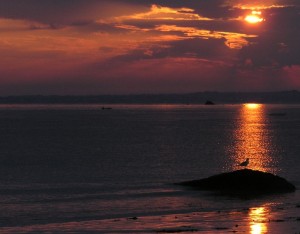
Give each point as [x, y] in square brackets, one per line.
[114, 168]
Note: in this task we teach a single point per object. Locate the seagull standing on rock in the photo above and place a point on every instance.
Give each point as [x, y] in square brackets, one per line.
[245, 163]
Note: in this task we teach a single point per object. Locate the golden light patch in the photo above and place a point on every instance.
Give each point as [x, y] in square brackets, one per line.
[254, 18]
[252, 105]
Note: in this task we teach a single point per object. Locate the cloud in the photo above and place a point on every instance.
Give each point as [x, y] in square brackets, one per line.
[8, 25]
[259, 5]
[165, 13]
[135, 46]
[232, 40]
[65, 12]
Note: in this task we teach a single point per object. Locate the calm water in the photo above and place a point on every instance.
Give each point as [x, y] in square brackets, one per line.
[77, 163]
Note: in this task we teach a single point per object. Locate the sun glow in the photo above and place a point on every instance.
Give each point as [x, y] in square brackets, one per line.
[254, 17]
[252, 105]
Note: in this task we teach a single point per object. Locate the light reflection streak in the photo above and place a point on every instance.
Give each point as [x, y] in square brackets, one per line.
[258, 220]
[252, 139]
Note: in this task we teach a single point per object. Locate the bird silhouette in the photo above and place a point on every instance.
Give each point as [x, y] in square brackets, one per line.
[245, 163]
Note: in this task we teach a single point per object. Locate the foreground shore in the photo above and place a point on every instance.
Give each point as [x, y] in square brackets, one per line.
[270, 218]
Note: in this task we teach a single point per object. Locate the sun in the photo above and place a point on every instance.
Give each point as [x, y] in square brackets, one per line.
[254, 18]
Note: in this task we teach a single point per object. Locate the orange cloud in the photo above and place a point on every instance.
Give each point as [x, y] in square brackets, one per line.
[131, 27]
[233, 40]
[258, 7]
[7, 25]
[256, 4]
[160, 16]
[165, 13]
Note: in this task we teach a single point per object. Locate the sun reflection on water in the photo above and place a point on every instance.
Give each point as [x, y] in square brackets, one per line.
[252, 105]
[258, 220]
[252, 139]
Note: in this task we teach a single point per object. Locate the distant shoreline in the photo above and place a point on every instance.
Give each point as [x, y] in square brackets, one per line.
[284, 97]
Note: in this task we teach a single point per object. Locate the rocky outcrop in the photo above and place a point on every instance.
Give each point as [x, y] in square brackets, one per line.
[243, 182]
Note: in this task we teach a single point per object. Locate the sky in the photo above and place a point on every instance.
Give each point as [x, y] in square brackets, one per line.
[93, 47]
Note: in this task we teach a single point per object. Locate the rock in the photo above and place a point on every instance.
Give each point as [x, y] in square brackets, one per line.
[243, 182]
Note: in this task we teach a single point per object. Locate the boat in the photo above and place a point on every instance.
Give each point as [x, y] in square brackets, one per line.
[106, 108]
[209, 103]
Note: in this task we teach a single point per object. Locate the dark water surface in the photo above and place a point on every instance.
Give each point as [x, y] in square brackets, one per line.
[61, 163]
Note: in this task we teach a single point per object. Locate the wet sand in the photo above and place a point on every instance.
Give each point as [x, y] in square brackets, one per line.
[271, 218]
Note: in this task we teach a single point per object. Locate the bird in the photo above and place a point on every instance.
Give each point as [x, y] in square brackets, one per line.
[245, 163]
